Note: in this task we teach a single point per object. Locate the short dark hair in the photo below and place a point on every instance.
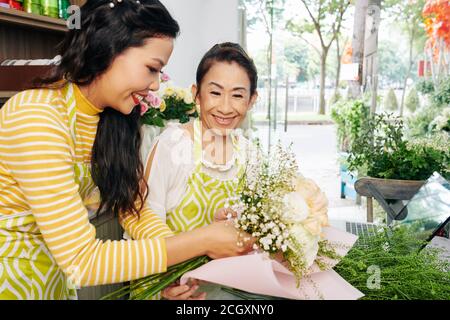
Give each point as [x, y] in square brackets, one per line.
[228, 52]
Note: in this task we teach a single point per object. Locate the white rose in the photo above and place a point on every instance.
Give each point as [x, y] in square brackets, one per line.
[297, 209]
[188, 98]
[169, 91]
[309, 243]
[180, 93]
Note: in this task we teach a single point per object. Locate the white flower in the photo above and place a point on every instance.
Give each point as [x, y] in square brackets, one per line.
[442, 120]
[188, 97]
[181, 93]
[309, 243]
[296, 208]
[169, 91]
[446, 112]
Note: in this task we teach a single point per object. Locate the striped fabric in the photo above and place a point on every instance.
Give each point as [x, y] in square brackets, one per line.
[46, 138]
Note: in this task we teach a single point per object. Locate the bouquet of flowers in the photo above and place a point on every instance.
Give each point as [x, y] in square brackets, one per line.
[171, 103]
[277, 207]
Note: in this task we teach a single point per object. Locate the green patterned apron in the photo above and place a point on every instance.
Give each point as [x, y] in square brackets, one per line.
[204, 194]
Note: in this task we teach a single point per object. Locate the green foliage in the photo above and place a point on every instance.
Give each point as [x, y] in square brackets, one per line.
[259, 11]
[148, 287]
[335, 98]
[412, 102]
[428, 118]
[405, 16]
[442, 94]
[297, 57]
[392, 66]
[349, 117]
[374, 149]
[175, 109]
[419, 124]
[428, 154]
[405, 274]
[390, 101]
[441, 122]
[178, 109]
[292, 59]
[326, 19]
[408, 16]
[425, 87]
[380, 150]
[153, 117]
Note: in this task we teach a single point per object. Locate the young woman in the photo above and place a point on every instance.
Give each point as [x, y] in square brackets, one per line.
[78, 131]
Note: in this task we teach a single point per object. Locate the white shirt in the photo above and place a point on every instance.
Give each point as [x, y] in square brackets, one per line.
[173, 164]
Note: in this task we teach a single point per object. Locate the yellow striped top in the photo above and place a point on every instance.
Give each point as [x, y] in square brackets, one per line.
[37, 157]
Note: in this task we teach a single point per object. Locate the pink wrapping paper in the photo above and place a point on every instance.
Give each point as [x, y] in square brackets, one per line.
[256, 273]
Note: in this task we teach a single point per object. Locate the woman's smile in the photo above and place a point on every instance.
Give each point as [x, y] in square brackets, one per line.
[224, 121]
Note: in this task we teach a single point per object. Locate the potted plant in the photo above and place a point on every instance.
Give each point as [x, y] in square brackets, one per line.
[396, 166]
[349, 116]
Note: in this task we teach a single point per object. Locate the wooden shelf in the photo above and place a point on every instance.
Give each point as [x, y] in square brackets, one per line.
[25, 19]
[4, 95]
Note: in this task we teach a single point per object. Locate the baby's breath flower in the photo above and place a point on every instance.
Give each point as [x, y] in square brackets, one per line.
[262, 206]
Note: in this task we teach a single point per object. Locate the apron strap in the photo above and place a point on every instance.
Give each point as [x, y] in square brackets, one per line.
[69, 96]
[81, 169]
[198, 155]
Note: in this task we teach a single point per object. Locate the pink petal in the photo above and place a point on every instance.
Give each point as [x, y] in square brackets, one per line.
[144, 109]
[165, 77]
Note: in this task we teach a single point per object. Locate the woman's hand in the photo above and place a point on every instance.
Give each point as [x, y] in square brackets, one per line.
[183, 292]
[224, 240]
[224, 214]
[217, 240]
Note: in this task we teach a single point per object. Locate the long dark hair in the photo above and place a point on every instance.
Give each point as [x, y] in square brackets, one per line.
[88, 52]
[228, 52]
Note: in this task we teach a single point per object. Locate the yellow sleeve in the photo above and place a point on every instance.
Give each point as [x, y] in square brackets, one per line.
[148, 226]
[35, 149]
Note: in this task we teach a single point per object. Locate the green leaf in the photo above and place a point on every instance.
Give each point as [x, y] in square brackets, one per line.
[158, 121]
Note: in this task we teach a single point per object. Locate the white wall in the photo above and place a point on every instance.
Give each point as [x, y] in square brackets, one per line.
[203, 23]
